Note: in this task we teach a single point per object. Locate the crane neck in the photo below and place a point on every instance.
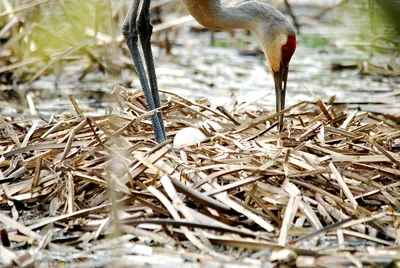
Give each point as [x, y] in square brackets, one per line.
[212, 14]
[271, 28]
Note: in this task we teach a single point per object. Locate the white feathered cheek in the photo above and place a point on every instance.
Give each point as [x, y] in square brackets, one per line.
[273, 51]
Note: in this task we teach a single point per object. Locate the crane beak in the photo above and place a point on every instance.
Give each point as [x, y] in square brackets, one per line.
[280, 78]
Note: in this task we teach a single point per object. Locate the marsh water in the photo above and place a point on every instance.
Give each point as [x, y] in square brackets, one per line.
[334, 56]
[331, 59]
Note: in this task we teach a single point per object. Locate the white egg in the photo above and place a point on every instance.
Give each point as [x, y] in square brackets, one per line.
[188, 136]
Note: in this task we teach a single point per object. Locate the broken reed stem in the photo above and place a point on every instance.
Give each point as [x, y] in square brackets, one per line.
[246, 187]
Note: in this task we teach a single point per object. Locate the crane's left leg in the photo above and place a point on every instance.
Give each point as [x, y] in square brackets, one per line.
[145, 31]
[131, 32]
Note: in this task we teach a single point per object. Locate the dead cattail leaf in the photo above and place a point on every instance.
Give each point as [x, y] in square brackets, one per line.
[245, 186]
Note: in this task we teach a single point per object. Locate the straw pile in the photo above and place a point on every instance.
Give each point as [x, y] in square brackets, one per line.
[99, 191]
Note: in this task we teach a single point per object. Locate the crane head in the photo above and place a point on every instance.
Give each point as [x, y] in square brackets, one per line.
[279, 45]
[280, 73]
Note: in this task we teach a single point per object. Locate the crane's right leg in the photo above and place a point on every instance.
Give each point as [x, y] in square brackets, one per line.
[131, 35]
[145, 31]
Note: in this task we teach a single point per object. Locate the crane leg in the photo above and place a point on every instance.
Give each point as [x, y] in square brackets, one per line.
[136, 27]
[146, 30]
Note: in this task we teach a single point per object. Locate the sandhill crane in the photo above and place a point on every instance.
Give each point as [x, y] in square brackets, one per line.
[275, 33]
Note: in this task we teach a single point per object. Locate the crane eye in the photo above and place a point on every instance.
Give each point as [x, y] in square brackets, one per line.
[285, 48]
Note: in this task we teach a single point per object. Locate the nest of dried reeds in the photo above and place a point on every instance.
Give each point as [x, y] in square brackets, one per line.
[99, 190]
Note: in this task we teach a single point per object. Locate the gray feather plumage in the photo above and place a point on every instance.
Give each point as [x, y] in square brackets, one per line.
[248, 15]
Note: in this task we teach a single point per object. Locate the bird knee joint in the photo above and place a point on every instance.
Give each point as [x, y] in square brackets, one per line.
[145, 27]
[130, 34]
